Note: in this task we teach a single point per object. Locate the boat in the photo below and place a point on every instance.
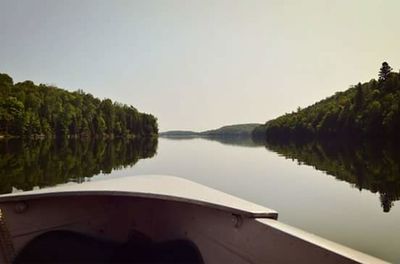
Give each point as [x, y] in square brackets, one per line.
[153, 219]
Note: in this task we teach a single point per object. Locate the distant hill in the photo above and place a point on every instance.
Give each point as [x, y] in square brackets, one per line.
[239, 130]
[232, 130]
[368, 110]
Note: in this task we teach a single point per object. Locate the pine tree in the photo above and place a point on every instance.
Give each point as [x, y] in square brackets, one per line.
[384, 71]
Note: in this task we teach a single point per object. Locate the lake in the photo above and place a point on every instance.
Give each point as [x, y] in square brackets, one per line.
[342, 193]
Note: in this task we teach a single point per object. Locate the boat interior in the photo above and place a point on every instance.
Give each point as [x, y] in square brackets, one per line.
[72, 247]
[64, 226]
[101, 229]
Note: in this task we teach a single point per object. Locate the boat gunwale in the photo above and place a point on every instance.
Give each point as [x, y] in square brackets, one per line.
[162, 187]
[32, 196]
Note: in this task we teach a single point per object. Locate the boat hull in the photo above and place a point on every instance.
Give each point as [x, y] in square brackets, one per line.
[221, 234]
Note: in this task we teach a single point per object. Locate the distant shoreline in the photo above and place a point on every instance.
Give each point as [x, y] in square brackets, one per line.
[238, 130]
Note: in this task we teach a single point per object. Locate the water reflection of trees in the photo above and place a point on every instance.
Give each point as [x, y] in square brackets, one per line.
[241, 140]
[375, 167]
[26, 164]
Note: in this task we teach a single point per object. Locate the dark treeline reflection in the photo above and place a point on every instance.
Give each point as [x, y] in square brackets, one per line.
[26, 164]
[243, 141]
[375, 167]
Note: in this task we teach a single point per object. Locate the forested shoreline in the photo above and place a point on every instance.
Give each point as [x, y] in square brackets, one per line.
[34, 111]
[369, 110]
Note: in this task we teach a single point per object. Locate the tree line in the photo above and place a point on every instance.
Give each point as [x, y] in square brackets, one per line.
[366, 110]
[29, 110]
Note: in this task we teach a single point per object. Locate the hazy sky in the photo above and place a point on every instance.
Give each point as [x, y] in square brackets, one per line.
[200, 64]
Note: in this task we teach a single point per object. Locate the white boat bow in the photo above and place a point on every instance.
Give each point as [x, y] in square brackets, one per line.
[222, 227]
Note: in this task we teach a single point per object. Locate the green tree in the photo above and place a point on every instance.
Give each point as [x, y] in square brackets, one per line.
[359, 97]
[32, 124]
[100, 125]
[106, 107]
[11, 116]
[6, 82]
[384, 71]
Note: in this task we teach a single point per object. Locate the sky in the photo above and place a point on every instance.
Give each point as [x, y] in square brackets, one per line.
[202, 64]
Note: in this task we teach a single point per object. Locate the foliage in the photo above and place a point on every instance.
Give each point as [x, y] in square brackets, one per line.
[25, 164]
[384, 71]
[31, 110]
[369, 110]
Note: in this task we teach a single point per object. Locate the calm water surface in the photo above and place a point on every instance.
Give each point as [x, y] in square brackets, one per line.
[355, 208]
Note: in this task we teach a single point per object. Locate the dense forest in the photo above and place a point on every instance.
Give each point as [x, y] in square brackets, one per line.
[25, 164]
[374, 167]
[368, 110]
[29, 110]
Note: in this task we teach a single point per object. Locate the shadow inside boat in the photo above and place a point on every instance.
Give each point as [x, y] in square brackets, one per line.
[73, 247]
